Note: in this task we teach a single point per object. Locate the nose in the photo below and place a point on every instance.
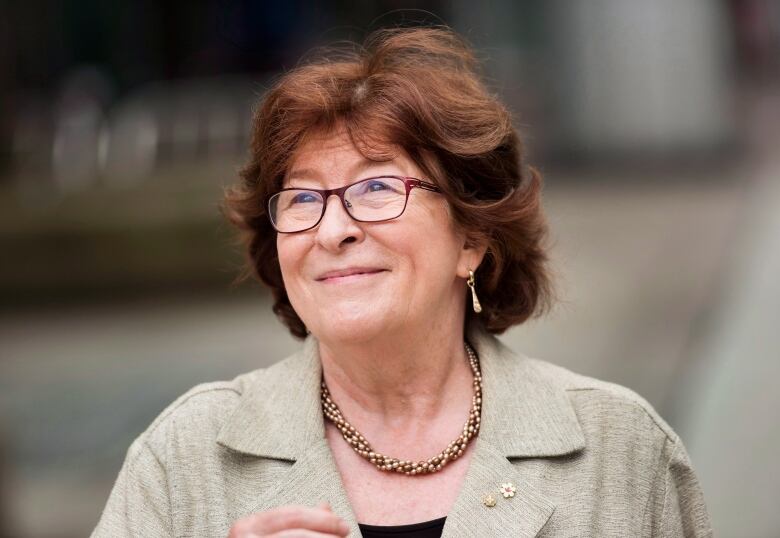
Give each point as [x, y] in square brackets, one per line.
[336, 228]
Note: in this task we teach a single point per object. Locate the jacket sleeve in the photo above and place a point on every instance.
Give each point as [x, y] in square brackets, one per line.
[139, 503]
[683, 512]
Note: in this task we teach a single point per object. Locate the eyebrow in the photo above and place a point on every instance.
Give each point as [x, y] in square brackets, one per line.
[310, 173]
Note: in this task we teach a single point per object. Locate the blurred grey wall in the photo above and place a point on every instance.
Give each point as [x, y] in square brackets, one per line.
[642, 76]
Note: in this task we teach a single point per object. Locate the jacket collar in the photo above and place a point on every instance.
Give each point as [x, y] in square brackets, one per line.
[524, 413]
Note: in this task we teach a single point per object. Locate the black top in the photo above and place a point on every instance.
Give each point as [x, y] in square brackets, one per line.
[426, 529]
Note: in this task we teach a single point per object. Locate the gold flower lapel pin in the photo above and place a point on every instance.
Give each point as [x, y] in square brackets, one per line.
[489, 501]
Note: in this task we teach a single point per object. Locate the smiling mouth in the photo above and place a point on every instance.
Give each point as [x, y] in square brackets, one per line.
[350, 274]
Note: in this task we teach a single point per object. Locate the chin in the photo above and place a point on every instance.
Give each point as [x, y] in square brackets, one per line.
[352, 325]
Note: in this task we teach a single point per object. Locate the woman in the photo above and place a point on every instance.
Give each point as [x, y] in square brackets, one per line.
[387, 207]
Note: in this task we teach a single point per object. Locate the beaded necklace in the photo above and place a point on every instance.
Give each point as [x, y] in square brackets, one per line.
[386, 463]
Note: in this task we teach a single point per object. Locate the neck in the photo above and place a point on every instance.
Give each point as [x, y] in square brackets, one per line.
[400, 378]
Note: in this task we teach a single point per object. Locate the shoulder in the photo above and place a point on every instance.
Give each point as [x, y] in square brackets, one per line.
[195, 418]
[600, 404]
[205, 402]
[559, 402]
[630, 446]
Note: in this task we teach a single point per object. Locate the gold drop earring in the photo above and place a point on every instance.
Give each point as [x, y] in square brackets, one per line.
[474, 299]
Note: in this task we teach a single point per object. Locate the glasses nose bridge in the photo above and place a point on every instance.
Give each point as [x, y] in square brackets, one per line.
[338, 193]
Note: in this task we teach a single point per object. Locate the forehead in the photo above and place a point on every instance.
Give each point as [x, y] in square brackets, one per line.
[321, 153]
[321, 148]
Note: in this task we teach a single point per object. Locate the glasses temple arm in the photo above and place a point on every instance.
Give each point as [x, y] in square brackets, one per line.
[426, 186]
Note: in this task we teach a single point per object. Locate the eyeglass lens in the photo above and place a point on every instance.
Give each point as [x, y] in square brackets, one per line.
[374, 199]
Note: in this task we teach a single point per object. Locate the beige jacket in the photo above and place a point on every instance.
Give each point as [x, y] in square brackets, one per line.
[588, 458]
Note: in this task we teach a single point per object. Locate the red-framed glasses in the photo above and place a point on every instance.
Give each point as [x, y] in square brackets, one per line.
[373, 199]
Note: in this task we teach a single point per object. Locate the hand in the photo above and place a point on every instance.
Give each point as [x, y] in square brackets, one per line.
[291, 522]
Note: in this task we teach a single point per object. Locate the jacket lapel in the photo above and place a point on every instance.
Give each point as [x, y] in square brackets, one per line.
[524, 415]
[313, 478]
[279, 417]
[279, 413]
[522, 515]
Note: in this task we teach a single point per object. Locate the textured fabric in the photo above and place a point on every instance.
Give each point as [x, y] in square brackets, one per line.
[424, 529]
[588, 458]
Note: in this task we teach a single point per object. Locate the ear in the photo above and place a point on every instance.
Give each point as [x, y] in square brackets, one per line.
[471, 256]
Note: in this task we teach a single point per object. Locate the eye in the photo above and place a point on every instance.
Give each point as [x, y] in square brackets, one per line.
[383, 185]
[304, 198]
[377, 185]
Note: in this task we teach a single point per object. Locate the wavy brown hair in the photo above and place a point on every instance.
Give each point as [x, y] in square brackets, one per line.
[419, 90]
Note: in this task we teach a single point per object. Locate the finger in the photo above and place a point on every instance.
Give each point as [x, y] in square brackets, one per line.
[325, 505]
[304, 533]
[300, 517]
[244, 528]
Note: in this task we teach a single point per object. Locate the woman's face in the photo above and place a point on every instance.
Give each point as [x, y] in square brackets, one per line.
[350, 281]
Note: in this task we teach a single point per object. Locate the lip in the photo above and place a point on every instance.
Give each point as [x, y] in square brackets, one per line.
[348, 272]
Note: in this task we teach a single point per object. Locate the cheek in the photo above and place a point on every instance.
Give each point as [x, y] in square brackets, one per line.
[433, 255]
[436, 237]
[290, 253]
[283, 253]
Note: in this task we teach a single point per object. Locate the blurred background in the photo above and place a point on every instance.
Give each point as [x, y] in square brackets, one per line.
[656, 125]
